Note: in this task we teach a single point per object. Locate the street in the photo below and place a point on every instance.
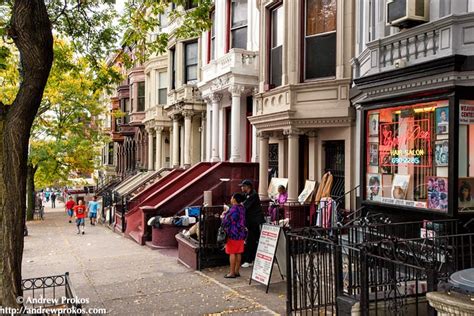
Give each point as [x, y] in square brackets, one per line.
[115, 273]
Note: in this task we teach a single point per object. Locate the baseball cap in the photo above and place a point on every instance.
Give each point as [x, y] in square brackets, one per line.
[246, 182]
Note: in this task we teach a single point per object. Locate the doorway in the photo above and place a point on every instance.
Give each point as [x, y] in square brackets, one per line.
[335, 163]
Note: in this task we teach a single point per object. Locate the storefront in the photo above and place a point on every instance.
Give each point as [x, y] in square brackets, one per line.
[418, 154]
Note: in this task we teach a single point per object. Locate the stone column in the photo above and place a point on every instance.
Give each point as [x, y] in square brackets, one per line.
[209, 129]
[188, 115]
[263, 166]
[150, 149]
[312, 155]
[235, 129]
[215, 99]
[293, 160]
[159, 148]
[203, 131]
[255, 145]
[175, 148]
[281, 157]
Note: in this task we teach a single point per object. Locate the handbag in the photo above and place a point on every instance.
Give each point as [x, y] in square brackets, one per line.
[221, 235]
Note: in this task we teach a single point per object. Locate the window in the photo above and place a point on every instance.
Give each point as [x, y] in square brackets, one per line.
[110, 154]
[173, 68]
[276, 46]
[407, 155]
[465, 189]
[212, 37]
[163, 19]
[238, 25]
[320, 39]
[191, 62]
[189, 4]
[141, 96]
[162, 87]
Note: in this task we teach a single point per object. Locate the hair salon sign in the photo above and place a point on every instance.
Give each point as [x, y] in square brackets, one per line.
[407, 142]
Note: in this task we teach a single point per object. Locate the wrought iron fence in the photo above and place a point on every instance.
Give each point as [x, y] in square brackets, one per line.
[50, 292]
[211, 253]
[334, 268]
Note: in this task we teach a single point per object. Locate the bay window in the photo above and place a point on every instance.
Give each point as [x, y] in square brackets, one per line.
[238, 24]
[276, 45]
[191, 62]
[162, 87]
[320, 39]
[141, 96]
[212, 37]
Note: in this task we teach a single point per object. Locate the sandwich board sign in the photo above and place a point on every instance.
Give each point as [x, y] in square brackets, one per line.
[266, 254]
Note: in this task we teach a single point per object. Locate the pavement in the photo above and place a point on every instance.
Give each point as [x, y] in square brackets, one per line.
[116, 274]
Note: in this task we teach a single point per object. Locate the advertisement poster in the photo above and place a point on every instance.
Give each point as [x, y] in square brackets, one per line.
[373, 125]
[374, 187]
[373, 154]
[442, 120]
[438, 193]
[266, 250]
[400, 186]
[441, 153]
[466, 112]
[466, 194]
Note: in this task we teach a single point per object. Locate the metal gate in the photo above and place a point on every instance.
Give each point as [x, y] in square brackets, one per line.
[272, 161]
[335, 163]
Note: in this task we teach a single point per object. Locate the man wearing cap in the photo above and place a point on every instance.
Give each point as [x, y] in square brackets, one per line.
[254, 219]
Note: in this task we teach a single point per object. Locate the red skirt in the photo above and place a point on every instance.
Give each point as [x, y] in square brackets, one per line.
[233, 247]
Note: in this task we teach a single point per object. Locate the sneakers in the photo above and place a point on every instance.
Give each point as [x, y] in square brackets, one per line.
[246, 265]
[83, 232]
[70, 221]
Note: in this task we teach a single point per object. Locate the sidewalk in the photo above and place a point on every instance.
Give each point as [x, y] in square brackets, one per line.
[115, 273]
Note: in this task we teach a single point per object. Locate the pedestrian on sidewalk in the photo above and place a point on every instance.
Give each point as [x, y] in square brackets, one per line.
[81, 212]
[233, 223]
[70, 208]
[254, 218]
[53, 200]
[92, 207]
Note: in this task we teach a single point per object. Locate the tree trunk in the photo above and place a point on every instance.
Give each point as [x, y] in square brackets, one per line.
[30, 30]
[30, 191]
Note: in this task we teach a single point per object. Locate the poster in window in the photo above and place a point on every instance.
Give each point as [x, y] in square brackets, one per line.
[442, 120]
[374, 124]
[373, 154]
[400, 186]
[374, 186]
[441, 153]
[438, 193]
[466, 194]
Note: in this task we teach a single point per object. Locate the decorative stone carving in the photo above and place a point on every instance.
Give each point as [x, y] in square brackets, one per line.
[187, 113]
[215, 97]
[220, 83]
[292, 132]
[236, 90]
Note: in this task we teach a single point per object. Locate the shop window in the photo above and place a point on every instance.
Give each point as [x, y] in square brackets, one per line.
[466, 156]
[191, 62]
[407, 156]
[141, 96]
[276, 46]
[162, 87]
[320, 39]
[238, 25]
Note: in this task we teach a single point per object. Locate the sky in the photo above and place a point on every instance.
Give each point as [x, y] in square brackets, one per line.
[119, 4]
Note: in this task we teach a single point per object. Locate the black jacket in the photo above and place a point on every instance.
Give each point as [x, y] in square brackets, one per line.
[253, 208]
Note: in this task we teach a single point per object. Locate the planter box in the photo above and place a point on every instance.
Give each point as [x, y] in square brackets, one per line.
[164, 237]
[188, 251]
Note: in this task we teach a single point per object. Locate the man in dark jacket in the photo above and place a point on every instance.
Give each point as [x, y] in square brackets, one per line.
[254, 218]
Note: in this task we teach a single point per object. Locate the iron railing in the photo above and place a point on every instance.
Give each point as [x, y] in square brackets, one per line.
[50, 292]
[329, 270]
[211, 253]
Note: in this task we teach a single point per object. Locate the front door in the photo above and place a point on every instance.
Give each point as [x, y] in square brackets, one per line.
[335, 162]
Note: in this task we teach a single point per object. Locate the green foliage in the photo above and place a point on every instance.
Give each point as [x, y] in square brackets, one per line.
[66, 135]
[141, 18]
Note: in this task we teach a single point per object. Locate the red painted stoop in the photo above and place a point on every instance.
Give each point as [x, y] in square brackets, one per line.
[187, 189]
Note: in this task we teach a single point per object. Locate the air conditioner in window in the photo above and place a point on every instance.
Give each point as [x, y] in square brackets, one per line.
[407, 13]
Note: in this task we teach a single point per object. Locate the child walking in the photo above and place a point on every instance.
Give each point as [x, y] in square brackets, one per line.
[80, 211]
[233, 223]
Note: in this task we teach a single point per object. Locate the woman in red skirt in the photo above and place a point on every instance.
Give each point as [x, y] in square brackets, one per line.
[233, 223]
